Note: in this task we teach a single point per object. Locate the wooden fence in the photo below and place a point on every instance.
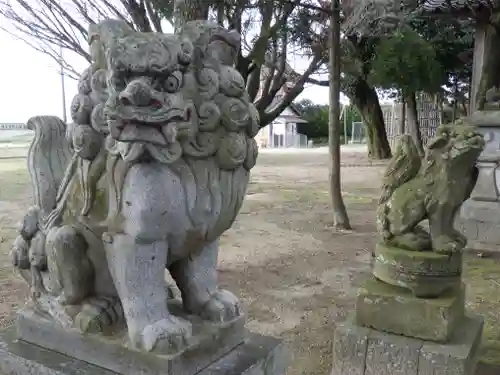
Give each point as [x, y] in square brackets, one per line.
[429, 117]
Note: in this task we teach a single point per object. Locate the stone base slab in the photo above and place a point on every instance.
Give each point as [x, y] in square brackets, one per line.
[209, 343]
[396, 310]
[363, 351]
[258, 355]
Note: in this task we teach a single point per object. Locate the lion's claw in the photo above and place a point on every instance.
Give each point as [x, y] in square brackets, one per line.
[167, 335]
[223, 306]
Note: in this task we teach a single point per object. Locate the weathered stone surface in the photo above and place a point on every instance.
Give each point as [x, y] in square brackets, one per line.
[480, 214]
[389, 354]
[350, 343]
[396, 310]
[459, 357]
[485, 119]
[397, 356]
[434, 187]
[481, 211]
[259, 355]
[425, 273]
[481, 235]
[208, 343]
[152, 172]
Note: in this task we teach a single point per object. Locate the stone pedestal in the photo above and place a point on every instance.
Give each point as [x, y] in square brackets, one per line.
[396, 310]
[480, 214]
[43, 347]
[363, 351]
[394, 332]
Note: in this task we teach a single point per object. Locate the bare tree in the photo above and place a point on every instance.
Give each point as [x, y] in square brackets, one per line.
[48, 25]
[340, 217]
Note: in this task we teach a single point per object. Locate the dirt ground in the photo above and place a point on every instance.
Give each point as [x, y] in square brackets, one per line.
[297, 277]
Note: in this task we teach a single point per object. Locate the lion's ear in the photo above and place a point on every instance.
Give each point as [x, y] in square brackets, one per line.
[437, 142]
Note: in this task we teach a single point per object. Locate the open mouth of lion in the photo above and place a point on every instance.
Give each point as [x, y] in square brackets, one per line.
[471, 147]
[157, 132]
[474, 142]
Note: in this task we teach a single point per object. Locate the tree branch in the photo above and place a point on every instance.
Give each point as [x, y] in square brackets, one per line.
[153, 16]
[137, 11]
[291, 95]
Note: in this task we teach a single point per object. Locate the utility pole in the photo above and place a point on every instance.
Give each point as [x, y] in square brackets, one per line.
[63, 90]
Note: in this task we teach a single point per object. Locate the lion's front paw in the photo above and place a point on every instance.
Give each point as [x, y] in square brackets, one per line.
[447, 244]
[223, 306]
[166, 335]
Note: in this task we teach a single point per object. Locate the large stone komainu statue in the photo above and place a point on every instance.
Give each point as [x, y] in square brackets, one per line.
[152, 172]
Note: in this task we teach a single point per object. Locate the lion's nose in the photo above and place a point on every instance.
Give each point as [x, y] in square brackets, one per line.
[137, 94]
[137, 98]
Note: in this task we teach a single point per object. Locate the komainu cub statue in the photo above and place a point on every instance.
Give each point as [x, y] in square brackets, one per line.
[433, 188]
[151, 172]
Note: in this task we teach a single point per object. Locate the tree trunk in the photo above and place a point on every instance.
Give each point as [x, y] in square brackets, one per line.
[366, 100]
[455, 101]
[413, 123]
[340, 218]
[402, 118]
[464, 106]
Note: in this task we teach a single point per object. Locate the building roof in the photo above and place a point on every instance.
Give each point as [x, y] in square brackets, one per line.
[297, 117]
[293, 119]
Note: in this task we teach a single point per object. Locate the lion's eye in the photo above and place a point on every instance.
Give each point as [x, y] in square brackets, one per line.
[173, 82]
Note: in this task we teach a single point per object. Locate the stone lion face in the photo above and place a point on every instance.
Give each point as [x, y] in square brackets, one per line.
[458, 143]
[148, 106]
[173, 95]
[162, 97]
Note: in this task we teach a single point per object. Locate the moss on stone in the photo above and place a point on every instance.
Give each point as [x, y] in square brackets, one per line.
[482, 277]
[100, 205]
[396, 310]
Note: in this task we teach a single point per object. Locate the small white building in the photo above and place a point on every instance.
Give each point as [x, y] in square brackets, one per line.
[282, 132]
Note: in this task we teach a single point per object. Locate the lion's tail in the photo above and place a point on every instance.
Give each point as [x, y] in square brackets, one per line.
[48, 157]
[403, 167]
[383, 225]
[383, 221]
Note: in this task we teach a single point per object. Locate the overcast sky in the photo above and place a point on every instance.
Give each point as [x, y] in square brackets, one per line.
[31, 83]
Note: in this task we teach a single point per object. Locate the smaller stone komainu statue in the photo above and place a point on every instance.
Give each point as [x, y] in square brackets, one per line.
[432, 188]
[150, 174]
